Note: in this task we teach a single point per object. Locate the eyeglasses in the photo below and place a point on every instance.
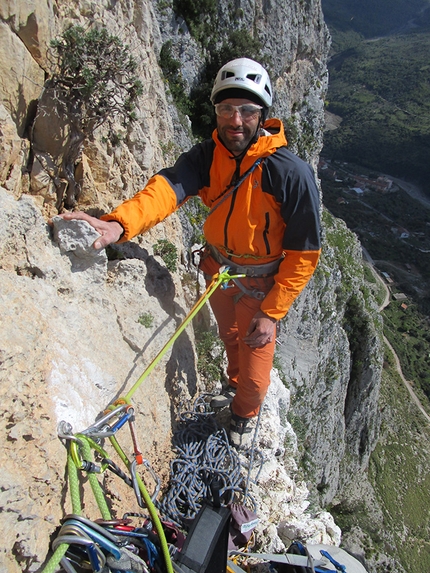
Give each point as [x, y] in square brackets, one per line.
[246, 111]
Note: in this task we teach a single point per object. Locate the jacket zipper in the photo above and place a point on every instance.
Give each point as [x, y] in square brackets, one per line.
[266, 232]
[235, 178]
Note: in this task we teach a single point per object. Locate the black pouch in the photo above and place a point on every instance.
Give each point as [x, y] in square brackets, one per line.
[206, 546]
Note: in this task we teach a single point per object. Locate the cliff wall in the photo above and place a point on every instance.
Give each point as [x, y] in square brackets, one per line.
[72, 339]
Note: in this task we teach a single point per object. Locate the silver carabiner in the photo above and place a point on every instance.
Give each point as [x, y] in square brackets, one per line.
[94, 428]
[135, 482]
[65, 432]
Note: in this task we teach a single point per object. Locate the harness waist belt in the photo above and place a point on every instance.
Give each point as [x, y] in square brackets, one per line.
[264, 270]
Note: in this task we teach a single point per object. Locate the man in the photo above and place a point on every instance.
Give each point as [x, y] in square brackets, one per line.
[263, 222]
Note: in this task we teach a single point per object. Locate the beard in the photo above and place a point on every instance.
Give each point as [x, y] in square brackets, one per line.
[237, 139]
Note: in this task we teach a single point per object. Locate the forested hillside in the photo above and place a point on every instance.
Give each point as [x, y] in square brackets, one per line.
[380, 86]
[371, 18]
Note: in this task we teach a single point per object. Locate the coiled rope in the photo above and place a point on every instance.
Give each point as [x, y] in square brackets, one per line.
[205, 458]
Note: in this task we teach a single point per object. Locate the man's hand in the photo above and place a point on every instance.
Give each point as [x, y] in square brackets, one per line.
[110, 231]
[261, 330]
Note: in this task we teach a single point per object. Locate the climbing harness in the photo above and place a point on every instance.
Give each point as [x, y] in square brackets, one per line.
[89, 545]
[253, 271]
[263, 272]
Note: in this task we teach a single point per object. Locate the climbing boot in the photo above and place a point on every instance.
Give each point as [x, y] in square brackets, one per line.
[225, 398]
[241, 431]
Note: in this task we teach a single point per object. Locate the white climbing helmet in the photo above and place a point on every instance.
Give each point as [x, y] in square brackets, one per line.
[243, 74]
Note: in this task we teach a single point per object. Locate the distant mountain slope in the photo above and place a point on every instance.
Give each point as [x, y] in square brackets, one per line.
[375, 17]
[381, 89]
[380, 85]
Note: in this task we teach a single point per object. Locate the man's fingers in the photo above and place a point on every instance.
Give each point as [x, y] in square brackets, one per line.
[258, 342]
[80, 215]
[75, 215]
[260, 332]
[110, 231]
[105, 239]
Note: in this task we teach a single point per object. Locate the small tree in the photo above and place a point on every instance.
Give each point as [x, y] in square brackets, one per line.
[94, 81]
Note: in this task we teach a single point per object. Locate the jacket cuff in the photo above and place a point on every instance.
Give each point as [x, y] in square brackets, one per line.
[125, 235]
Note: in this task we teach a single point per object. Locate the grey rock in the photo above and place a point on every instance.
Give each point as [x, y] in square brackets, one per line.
[76, 239]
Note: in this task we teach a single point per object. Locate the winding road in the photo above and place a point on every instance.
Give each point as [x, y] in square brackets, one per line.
[386, 302]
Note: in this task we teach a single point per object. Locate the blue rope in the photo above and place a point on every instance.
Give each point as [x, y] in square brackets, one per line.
[338, 566]
[204, 456]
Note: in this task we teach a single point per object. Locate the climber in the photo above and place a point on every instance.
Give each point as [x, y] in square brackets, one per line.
[263, 222]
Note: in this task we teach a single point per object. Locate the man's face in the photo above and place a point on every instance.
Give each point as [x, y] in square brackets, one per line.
[234, 132]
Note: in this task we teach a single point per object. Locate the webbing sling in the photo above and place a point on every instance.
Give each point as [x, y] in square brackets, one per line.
[305, 561]
[228, 193]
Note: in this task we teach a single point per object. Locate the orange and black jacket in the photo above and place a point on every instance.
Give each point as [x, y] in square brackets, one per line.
[273, 213]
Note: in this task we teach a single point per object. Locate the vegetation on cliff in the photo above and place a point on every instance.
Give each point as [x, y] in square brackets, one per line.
[379, 85]
[381, 90]
[94, 81]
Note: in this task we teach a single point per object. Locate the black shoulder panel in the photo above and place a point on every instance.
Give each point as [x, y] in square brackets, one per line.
[191, 171]
[292, 183]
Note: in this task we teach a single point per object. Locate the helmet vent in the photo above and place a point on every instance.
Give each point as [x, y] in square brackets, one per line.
[254, 78]
[226, 74]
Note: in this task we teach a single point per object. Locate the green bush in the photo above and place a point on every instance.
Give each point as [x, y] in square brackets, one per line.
[97, 75]
[209, 355]
[94, 81]
[168, 252]
[196, 214]
[146, 319]
[172, 72]
[200, 16]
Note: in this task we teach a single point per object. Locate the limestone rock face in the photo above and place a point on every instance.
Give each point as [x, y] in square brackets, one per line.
[72, 345]
[22, 77]
[334, 388]
[14, 152]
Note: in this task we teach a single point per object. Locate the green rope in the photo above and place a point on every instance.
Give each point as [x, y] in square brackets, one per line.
[72, 474]
[95, 486]
[73, 479]
[218, 279]
[57, 556]
[150, 506]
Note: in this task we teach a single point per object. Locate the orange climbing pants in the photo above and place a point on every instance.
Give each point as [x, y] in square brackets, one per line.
[248, 368]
